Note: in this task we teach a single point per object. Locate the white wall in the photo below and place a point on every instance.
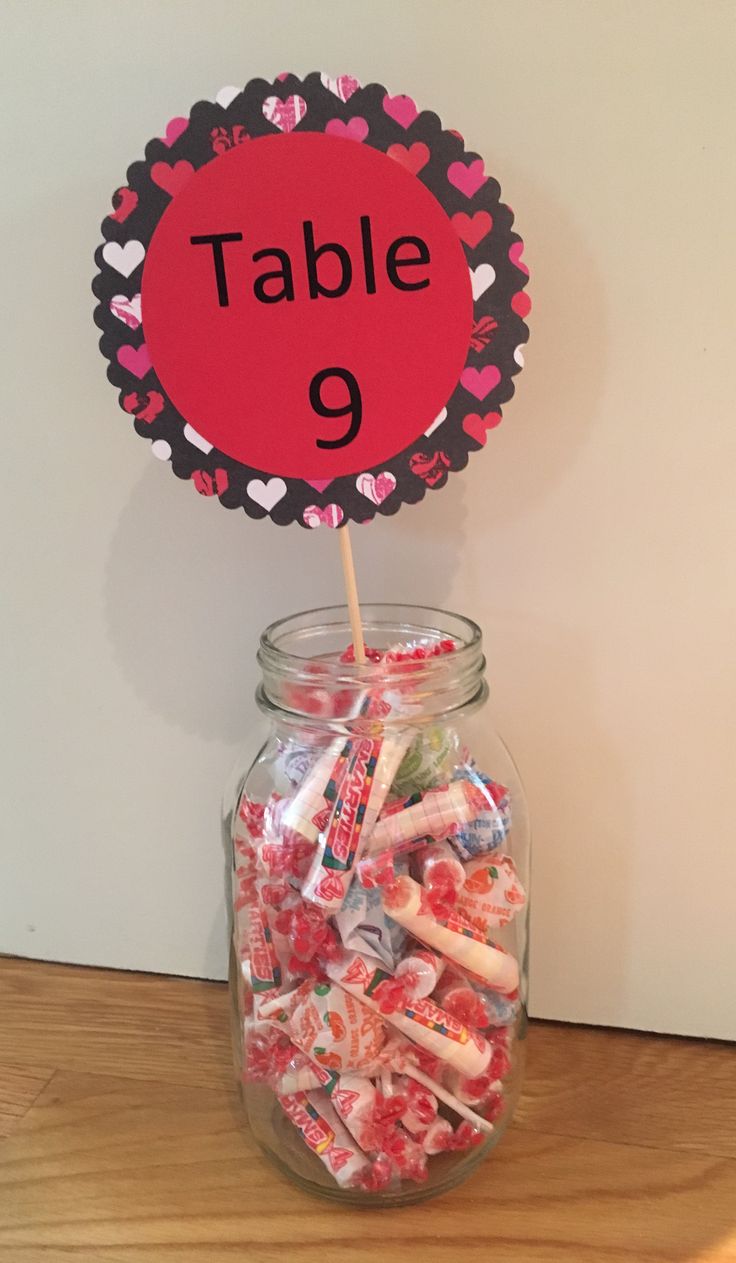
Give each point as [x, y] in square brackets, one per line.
[593, 539]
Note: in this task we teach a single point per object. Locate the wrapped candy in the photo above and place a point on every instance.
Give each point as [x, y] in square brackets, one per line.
[454, 937]
[420, 1020]
[331, 1026]
[492, 893]
[437, 813]
[430, 760]
[364, 927]
[321, 1129]
[340, 811]
[489, 829]
[381, 868]
[441, 874]
[420, 971]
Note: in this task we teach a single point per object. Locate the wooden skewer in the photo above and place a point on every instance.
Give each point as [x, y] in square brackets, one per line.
[351, 592]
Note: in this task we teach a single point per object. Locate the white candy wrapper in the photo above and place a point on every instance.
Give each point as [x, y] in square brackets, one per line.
[424, 968]
[364, 927]
[490, 827]
[453, 938]
[321, 1129]
[351, 799]
[437, 813]
[354, 1100]
[492, 894]
[422, 1021]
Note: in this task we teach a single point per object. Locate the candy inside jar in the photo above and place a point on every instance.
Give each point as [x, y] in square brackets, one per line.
[380, 878]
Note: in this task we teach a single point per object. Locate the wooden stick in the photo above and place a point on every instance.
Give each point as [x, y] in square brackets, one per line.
[351, 591]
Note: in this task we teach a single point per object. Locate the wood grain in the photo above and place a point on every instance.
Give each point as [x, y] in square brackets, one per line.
[19, 1087]
[129, 1167]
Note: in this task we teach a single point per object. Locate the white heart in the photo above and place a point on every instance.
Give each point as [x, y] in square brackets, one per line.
[267, 494]
[441, 416]
[519, 355]
[124, 259]
[226, 96]
[190, 434]
[127, 309]
[481, 277]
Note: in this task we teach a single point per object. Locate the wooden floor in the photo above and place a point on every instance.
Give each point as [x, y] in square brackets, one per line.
[123, 1144]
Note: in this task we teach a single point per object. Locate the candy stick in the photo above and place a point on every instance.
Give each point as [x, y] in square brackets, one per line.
[421, 1020]
[456, 938]
[438, 814]
[358, 790]
[421, 970]
[323, 1132]
[351, 592]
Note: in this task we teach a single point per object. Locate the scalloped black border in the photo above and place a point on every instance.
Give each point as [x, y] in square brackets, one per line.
[195, 146]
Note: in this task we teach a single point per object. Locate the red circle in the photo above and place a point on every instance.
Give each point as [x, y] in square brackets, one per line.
[240, 373]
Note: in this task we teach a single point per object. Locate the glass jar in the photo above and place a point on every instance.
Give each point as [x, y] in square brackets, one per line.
[380, 867]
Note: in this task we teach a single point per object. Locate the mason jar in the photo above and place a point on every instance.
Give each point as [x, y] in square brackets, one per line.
[380, 876]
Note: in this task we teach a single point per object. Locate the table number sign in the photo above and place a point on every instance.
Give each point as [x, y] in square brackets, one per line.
[311, 299]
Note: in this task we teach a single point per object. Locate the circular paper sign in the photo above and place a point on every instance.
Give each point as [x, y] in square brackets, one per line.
[311, 300]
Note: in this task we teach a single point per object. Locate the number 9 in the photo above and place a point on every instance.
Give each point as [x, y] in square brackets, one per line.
[353, 409]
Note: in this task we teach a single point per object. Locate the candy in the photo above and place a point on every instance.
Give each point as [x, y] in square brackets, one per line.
[420, 971]
[383, 867]
[354, 1100]
[421, 1020]
[330, 1026]
[364, 927]
[492, 893]
[351, 799]
[441, 874]
[321, 1129]
[490, 828]
[453, 938]
[380, 999]
[430, 760]
[265, 970]
[437, 814]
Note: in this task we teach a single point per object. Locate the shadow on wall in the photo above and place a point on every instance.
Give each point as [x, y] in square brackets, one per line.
[583, 857]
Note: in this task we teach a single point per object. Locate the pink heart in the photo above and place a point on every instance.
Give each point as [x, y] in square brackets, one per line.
[521, 303]
[480, 381]
[174, 129]
[477, 426]
[284, 114]
[171, 179]
[331, 515]
[515, 253]
[401, 109]
[342, 87]
[355, 128]
[376, 487]
[467, 178]
[135, 358]
[319, 484]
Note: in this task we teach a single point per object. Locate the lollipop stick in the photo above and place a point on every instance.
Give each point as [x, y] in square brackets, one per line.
[463, 1110]
[351, 591]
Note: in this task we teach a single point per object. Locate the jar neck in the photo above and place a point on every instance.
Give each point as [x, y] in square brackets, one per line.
[424, 665]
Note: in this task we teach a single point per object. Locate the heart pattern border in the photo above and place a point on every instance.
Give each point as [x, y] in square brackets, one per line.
[394, 125]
